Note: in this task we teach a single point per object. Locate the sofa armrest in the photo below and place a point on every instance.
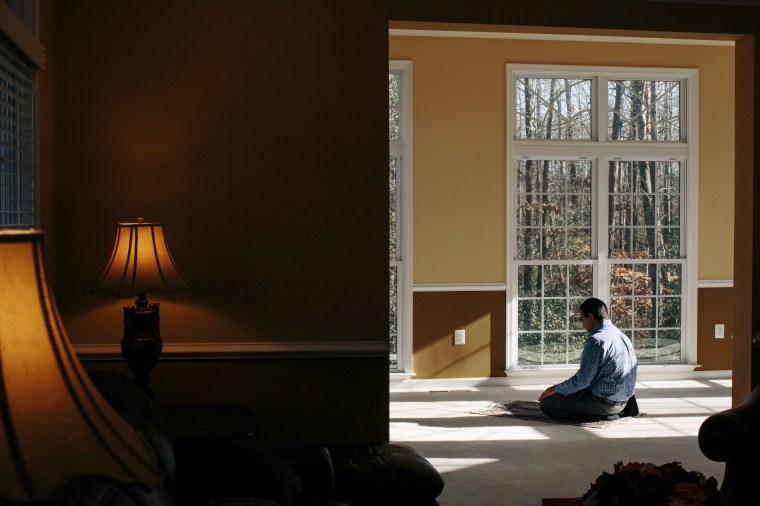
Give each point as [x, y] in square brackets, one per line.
[733, 435]
[386, 473]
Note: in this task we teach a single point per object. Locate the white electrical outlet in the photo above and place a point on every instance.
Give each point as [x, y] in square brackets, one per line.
[458, 337]
[720, 331]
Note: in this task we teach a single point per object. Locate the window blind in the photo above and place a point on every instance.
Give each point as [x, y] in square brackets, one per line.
[17, 139]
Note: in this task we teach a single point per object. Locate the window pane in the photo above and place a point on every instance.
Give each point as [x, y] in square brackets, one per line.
[555, 348]
[529, 348]
[554, 243]
[644, 344]
[528, 244]
[579, 243]
[529, 314]
[529, 281]
[621, 280]
[579, 176]
[670, 279]
[555, 281]
[553, 108]
[393, 106]
[670, 239]
[581, 283]
[643, 275]
[554, 210]
[621, 309]
[528, 210]
[669, 312]
[393, 318]
[555, 314]
[642, 110]
[643, 314]
[575, 322]
[669, 210]
[579, 210]
[669, 177]
[669, 345]
[576, 340]
[643, 242]
[393, 207]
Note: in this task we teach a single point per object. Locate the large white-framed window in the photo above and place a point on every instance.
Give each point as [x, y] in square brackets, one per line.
[602, 172]
[400, 214]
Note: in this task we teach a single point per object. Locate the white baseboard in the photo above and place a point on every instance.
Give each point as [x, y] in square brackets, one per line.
[672, 372]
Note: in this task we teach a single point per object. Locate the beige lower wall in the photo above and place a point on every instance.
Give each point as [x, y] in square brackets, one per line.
[482, 315]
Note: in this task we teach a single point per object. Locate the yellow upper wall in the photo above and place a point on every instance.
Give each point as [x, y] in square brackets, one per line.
[460, 145]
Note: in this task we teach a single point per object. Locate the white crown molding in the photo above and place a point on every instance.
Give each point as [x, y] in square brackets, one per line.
[403, 32]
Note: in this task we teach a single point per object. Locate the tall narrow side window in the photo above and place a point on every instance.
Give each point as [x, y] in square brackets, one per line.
[399, 215]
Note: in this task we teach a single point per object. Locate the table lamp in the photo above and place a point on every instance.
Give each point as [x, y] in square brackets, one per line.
[141, 262]
[55, 427]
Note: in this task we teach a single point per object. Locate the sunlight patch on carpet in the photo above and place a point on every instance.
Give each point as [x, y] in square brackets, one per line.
[444, 465]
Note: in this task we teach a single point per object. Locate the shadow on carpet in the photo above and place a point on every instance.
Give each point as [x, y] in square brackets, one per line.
[530, 410]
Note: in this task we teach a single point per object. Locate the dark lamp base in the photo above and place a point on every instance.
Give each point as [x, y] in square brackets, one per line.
[141, 345]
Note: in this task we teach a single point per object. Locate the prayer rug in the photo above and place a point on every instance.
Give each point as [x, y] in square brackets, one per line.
[530, 410]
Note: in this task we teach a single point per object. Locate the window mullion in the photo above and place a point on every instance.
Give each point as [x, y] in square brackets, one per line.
[601, 228]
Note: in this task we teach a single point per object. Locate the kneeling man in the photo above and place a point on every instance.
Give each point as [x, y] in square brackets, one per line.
[604, 385]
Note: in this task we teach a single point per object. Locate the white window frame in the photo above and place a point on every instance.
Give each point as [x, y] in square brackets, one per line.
[402, 149]
[602, 151]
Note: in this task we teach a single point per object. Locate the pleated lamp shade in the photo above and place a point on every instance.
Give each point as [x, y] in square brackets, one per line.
[140, 262]
[55, 426]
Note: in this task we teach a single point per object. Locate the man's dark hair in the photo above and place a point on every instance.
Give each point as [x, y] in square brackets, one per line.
[595, 307]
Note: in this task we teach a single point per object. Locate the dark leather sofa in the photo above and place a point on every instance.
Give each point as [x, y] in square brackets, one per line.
[733, 436]
[234, 471]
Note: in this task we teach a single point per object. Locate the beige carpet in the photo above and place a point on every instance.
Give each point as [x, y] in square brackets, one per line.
[488, 460]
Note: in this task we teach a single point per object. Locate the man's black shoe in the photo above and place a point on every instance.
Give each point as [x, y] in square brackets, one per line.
[631, 408]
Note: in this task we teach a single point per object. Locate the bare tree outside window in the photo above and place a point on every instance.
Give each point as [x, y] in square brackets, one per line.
[552, 108]
[644, 110]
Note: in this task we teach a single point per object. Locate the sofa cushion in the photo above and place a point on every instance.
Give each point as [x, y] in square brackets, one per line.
[386, 473]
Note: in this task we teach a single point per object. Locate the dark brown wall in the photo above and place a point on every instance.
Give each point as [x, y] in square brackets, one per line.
[746, 211]
[480, 314]
[716, 305]
[256, 131]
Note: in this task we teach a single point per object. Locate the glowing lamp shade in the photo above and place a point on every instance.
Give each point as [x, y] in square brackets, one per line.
[55, 426]
[140, 262]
